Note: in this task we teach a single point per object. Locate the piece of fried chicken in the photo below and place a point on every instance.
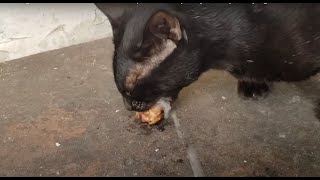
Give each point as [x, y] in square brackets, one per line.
[159, 111]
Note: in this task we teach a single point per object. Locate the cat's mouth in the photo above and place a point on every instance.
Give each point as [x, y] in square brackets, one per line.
[139, 106]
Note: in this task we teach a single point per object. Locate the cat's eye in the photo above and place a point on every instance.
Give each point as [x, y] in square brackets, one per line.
[128, 93]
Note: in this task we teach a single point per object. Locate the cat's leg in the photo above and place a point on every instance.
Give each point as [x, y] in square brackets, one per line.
[253, 90]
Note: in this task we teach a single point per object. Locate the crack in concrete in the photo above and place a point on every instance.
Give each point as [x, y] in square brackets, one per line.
[192, 154]
[95, 15]
[58, 28]
[14, 39]
[101, 22]
[3, 51]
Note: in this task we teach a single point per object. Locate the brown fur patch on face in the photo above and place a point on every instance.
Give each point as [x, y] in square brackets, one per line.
[165, 30]
[142, 69]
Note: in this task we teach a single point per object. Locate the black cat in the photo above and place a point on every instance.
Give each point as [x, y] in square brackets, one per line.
[161, 48]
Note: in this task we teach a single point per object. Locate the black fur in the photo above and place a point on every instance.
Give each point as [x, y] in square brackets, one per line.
[258, 44]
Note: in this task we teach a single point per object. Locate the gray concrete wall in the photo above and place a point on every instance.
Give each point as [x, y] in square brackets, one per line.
[27, 29]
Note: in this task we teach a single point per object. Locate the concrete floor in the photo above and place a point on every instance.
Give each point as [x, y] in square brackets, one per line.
[61, 115]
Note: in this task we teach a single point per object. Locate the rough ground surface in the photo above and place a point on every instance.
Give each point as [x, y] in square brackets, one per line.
[61, 115]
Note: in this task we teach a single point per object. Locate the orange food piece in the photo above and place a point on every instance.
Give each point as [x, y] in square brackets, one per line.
[152, 116]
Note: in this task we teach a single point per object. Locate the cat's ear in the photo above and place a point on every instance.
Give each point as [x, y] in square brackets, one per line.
[164, 25]
[116, 13]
